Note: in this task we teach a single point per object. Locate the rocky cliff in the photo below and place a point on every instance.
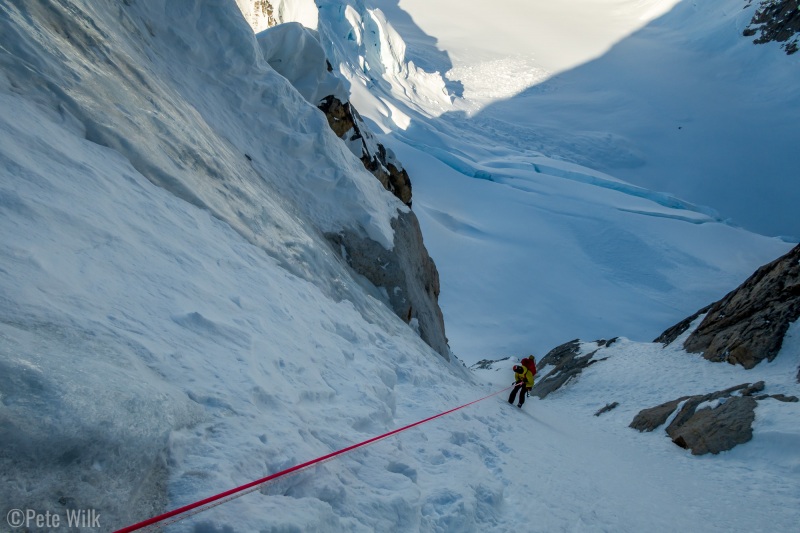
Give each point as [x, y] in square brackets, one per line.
[778, 21]
[345, 121]
[406, 273]
[709, 423]
[748, 325]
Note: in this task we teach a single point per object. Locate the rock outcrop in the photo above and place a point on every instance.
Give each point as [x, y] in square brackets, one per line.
[708, 423]
[670, 335]
[260, 14]
[776, 20]
[717, 429]
[406, 273]
[488, 364]
[295, 52]
[748, 325]
[379, 160]
[567, 363]
[608, 407]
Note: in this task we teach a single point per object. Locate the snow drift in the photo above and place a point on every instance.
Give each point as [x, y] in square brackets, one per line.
[165, 198]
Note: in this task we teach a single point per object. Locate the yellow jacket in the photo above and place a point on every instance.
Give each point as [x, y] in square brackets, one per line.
[525, 376]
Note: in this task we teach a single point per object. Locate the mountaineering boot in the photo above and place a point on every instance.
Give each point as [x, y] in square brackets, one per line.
[519, 405]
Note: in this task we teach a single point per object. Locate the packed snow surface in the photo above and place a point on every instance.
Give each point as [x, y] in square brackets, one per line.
[173, 325]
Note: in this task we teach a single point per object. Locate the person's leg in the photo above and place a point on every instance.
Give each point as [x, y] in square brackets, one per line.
[513, 393]
[521, 395]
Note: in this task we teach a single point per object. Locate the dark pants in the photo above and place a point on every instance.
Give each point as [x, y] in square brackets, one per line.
[522, 390]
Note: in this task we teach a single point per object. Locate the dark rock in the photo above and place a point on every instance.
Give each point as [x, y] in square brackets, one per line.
[265, 9]
[407, 273]
[707, 430]
[784, 398]
[606, 343]
[669, 336]
[650, 419]
[748, 325]
[750, 389]
[716, 430]
[558, 354]
[688, 409]
[340, 117]
[348, 125]
[776, 20]
[568, 365]
[607, 408]
[486, 364]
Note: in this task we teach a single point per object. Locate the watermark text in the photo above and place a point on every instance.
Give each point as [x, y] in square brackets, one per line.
[29, 518]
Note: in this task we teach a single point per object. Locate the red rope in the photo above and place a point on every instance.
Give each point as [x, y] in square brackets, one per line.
[253, 484]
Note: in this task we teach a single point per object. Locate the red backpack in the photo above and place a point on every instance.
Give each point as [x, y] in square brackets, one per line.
[530, 364]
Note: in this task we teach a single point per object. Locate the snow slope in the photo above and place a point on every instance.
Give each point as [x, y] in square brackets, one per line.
[686, 105]
[589, 473]
[162, 258]
[665, 94]
[136, 322]
[514, 206]
[172, 325]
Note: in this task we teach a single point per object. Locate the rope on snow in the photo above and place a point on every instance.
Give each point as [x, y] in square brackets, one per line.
[199, 506]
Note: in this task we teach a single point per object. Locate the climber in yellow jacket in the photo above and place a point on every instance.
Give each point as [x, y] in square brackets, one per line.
[523, 382]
